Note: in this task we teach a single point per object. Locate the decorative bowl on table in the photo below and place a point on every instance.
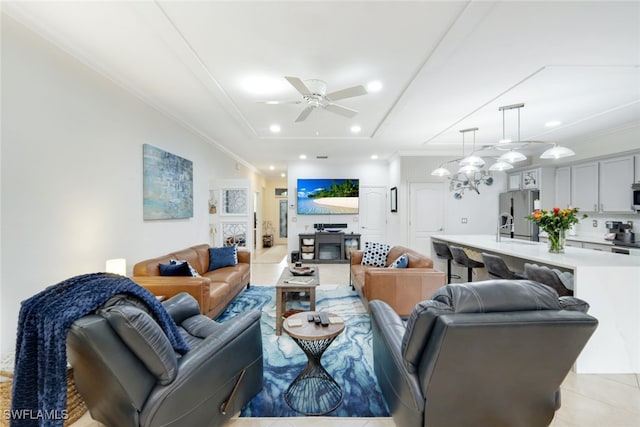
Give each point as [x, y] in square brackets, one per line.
[302, 271]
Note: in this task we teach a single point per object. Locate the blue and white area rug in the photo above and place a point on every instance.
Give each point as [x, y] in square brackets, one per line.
[349, 359]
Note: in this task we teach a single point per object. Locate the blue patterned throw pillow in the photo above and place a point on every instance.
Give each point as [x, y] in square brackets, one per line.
[194, 272]
[401, 262]
[226, 256]
[375, 254]
[180, 269]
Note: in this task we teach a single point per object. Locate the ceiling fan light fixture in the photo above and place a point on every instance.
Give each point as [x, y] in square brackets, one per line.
[557, 152]
[441, 172]
[500, 166]
[512, 156]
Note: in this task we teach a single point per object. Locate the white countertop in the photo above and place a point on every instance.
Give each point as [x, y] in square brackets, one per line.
[538, 252]
[609, 282]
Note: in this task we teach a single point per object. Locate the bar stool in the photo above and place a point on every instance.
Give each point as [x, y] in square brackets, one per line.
[546, 276]
[497, 268]
[460, 258]
[443, 252]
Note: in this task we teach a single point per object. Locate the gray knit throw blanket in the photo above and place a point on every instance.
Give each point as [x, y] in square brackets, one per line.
[40, 376]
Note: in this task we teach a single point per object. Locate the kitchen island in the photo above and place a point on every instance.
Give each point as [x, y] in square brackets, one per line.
[609, 282]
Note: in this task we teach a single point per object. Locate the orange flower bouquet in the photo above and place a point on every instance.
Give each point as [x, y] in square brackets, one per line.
[555, 223]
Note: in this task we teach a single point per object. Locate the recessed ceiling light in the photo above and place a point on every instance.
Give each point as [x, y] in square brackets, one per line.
[274, 128]
[302, 156]
[553, 123]
[355, 129]
[283, 174]
[504, 141]
[374, 86]
[374, 157]
[271, 167]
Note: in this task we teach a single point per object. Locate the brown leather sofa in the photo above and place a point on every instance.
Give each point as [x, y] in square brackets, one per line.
[401, 288]
[213, 291]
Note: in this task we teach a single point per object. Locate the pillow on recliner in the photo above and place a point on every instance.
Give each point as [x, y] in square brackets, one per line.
[145, 338]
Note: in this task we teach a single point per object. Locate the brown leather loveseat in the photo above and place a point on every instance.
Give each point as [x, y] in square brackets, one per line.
[401, 288]
[214, 290]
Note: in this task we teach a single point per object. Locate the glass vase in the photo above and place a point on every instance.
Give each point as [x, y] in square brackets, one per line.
[556, 241]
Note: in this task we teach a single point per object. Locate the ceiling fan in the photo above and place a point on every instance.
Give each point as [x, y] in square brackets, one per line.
[314, 94]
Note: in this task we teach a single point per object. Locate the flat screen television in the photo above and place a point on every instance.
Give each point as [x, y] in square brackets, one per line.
[328, 196]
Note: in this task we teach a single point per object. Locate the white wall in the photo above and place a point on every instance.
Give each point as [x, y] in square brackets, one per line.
[71, 173]
[480, 210]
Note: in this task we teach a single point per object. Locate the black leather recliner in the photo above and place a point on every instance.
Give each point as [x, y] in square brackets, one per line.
[129, 376]
[489, 353]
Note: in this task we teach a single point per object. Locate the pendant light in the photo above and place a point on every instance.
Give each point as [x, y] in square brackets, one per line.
[472, 159]
[557, 152]
[441, 171]
[511, 156]
[500, 166]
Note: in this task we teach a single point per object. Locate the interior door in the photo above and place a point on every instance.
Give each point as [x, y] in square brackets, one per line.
[426, 214]
[373, 214]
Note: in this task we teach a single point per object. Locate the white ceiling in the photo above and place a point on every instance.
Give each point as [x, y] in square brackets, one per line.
[445, 66]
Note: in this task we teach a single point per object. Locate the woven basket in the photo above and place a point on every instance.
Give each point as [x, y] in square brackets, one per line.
[75, 405]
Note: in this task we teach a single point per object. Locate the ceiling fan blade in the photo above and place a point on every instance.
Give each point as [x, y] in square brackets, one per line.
[299, 85]
[343, 111]
[305, 113]
[347, 93]
[279, 102]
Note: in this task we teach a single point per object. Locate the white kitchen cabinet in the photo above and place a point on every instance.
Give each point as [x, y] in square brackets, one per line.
[563, 187]
[584, 187]
[616, 177]
[597, 246]
[514, 181]
[637, 167]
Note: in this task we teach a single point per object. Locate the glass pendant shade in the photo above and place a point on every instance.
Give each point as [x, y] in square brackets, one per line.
[467, 169]
[512, 157]
[441, 172]
[557, 152]
[472, 161]
[500, 166]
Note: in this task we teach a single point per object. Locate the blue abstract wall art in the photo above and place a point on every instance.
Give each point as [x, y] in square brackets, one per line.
[167, 185]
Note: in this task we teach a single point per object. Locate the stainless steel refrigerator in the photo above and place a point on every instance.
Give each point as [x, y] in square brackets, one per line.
[519, 204]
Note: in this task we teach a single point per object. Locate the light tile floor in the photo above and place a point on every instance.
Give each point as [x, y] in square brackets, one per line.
[587, 400]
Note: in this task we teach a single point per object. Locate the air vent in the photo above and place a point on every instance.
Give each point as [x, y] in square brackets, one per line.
[322, 157]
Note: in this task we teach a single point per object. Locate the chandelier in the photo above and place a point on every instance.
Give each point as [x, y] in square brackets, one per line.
[470, 174]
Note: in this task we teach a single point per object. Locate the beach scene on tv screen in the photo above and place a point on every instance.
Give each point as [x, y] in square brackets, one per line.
[327, 196]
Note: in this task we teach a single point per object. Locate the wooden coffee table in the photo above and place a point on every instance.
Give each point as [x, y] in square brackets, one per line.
[283, 289]
[314, 391]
